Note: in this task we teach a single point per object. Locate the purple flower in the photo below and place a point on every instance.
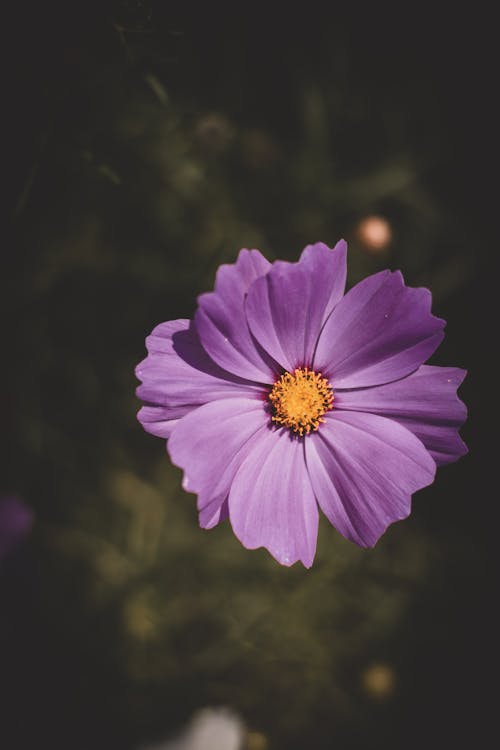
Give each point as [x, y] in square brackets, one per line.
[283, 394]
[16, 521]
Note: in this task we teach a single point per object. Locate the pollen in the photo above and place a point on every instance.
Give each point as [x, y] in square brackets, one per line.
[300, 400]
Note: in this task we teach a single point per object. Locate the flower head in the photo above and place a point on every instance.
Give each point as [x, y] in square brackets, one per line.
[285, 395]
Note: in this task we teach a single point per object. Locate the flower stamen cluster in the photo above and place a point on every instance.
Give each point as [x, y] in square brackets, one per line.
[300, 400]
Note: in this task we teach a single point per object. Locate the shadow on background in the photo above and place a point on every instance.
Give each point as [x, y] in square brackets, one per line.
[146, 148]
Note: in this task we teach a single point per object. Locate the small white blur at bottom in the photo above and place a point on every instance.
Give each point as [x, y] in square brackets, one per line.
[209, 729]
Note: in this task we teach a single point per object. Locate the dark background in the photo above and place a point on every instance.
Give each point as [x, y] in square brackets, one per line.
[145, 146]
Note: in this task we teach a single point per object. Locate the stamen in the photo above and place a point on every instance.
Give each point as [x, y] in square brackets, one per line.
[300, 400]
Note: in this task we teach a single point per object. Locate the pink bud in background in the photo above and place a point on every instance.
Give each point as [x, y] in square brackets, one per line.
[374, 233]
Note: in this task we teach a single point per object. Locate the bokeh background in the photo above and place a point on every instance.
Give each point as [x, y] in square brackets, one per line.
[146, 146]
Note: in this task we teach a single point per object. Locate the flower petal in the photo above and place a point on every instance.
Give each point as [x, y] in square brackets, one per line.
[209, 444]
[287, 307]
[443, 443]
[379, 332]
[271, 502]
[329, 268]
[364, 469]
[161, 420]
[425, 402]
[213, 513]
[160, 340]
[178, 375]
[221, 322]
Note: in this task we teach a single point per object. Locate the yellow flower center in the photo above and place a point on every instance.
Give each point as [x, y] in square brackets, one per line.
[300, 400]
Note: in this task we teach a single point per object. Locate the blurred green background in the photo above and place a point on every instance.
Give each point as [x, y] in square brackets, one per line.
[147, 146]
